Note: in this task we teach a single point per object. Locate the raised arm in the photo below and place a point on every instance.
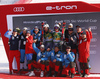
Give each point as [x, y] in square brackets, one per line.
[6, 35]
[30, 40]
[87, 35]
[35, 48]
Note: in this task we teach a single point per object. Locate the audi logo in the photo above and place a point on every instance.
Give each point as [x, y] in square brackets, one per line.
[18, 9]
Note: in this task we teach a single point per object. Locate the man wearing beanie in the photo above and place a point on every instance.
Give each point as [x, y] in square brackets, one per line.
[13, 52]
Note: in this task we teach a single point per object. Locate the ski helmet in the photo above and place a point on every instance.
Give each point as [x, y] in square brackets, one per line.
[46, 25]
[71, 25]
[57, 25]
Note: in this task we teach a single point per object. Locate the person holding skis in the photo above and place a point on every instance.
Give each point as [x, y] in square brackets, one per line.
[68, 63]
[14, 49]
[48, 38]
[56, 35]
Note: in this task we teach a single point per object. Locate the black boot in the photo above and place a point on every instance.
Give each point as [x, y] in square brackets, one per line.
[10, 72]
[55, 74]
[48, 74]
[63, 75]
[72, 75]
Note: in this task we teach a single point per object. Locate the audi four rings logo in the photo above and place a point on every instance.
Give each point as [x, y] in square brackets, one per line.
[18, 9]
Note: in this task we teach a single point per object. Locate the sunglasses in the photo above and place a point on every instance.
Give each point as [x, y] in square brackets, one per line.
[36, 30]
[41, 48]
[70, 30]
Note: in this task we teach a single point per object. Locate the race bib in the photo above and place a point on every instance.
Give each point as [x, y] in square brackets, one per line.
[58, 55]
[24, 42]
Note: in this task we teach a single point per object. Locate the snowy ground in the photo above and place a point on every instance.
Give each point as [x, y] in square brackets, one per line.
[4, 65]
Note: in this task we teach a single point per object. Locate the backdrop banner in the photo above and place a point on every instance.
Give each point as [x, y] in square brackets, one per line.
[31, 15]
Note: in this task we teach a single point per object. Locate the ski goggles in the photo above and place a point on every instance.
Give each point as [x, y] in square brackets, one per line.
[35, 29]
[56, 27]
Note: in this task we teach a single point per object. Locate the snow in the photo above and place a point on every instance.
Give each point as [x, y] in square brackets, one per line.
[4, 65]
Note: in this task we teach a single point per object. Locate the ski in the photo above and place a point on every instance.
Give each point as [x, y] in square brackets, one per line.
[42, 24]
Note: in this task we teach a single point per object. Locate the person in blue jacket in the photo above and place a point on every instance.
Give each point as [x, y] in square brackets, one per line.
[68, 62]
[42, 57]
[56, 58]
[36, 32]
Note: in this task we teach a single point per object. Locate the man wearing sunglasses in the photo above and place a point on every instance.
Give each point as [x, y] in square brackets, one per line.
[41, 59]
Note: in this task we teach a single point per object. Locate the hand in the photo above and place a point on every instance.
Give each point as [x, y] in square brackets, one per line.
[64, 66]
[86, 30]
[10, 30]
[34, 41]
[26, 36]
[39, 60]
[89, 29]
[72, 38]
[54, 60]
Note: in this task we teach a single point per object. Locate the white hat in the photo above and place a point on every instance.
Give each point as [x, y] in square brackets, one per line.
[42, 46]
[56, 25]
[46, 25]
[25, 28]
[71, 25]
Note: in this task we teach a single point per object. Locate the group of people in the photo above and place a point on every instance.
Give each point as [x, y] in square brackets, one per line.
[52, 53]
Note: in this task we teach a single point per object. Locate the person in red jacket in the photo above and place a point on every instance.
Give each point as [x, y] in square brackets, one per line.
[28, 48]
[84, 50]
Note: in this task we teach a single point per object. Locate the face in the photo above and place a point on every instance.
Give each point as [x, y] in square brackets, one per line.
[56, 29]
[46, 29]
[83, 36]
[41, 49]
[79, 30]
[70, 31]
[56, 49]
[68, 50]
[28, 34]
[70, 26]
[24, 31]
[36, 31]
[14, 33]
[48, 49]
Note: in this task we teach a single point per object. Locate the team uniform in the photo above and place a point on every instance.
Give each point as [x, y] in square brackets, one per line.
[71, 43]
[13, 52]
[68, 63]
[29, 49]
[59, 59]
[56, 38]
[36, 37]
[84, 50]
[22, 39]
[44, 58]
[48, 38]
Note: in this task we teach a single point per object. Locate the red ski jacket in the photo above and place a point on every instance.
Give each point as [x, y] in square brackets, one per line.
[84, 45]
[28, 48]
